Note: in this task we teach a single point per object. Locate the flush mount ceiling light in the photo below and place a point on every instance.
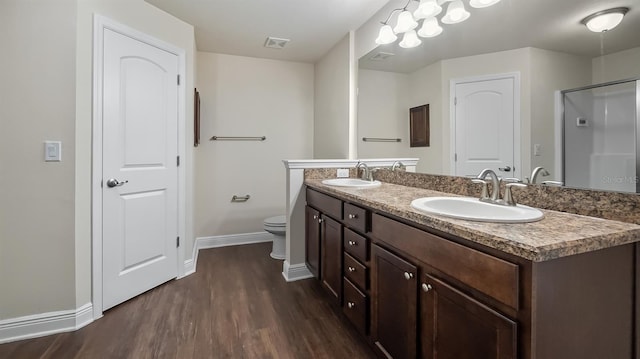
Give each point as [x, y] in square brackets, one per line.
[605, 20]
[426, 11]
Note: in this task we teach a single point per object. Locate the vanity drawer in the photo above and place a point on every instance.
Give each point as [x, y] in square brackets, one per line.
[356, 245]
[355, 306]
[485, 273]
[355, 272]
[326, 204]
[355, 217]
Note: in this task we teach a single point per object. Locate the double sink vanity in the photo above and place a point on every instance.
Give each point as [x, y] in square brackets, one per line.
[418, 283]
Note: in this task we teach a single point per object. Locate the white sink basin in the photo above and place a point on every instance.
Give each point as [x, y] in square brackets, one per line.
[473, 209]
[351, 182]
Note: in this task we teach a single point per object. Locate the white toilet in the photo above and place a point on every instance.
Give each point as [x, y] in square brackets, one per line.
[278, 227]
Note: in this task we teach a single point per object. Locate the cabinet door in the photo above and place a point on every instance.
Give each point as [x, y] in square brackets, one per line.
[455, 325]
[331, 264]
[312, 240]
[394, 285]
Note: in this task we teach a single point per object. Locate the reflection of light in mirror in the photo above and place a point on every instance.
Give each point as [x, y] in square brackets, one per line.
[427, 8]
[405, 22]
[410, 39]
[430, 28]
[478, 4]
[456, 13]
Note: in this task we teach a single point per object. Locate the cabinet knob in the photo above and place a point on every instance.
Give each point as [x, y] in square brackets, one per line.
[351, 305]
[408, 275]
[351, 269]
[315, 216]
[352, 243]
[353, 216]
[426, 287]
[319, 220]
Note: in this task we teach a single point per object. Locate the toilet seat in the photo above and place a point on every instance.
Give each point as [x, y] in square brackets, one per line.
[276, 221]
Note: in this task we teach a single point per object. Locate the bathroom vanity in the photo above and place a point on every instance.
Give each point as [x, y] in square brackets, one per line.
[425, 286]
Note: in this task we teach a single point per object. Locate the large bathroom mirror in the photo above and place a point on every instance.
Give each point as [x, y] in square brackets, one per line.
[543, 52]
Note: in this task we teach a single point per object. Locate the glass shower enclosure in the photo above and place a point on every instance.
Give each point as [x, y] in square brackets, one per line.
[601, 136]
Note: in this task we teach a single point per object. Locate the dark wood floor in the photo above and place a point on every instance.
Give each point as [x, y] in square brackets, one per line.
[237, 305]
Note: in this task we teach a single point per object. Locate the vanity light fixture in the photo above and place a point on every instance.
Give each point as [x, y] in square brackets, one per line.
[410, 39]
[605, 20]
[427, 12]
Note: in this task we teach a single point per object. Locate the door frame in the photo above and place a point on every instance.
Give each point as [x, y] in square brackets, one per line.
[100, 24]
[517, 139]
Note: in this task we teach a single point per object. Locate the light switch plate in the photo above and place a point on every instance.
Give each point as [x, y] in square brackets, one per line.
[52, 151]
[342, 173]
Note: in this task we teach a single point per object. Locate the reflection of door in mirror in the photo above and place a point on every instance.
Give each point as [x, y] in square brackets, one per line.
[483, 117]
[600, 136]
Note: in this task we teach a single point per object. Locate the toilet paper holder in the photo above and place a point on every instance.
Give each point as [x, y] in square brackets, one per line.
[237, 198]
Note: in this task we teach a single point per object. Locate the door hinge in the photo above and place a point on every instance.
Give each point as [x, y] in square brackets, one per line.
[455, 157]
[455, 101]
[178, 80]
[177, 242]
[178, 161]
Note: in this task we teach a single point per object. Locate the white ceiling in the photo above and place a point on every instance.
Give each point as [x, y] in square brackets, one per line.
[240, 27]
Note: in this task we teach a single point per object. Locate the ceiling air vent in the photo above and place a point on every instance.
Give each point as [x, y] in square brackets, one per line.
[381, 56]
[276, 42]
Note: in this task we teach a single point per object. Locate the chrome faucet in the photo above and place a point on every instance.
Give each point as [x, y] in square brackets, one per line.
[367, 175]
[396, 164]
[538, 171]
[495, 183]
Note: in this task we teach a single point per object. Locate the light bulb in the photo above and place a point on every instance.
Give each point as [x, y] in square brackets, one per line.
[455, 13]
[430, 28]
[427, 8]
[386, 35]
[410, 39]
[478, 4]
[405, 22]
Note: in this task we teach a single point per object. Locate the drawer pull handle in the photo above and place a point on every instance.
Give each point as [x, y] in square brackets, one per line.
[351, 305]
[351, 269]
[408, 275]
[353, 243]
[426, 287]
[353, 216]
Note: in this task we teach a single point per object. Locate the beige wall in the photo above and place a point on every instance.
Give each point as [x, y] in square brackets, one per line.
[382, 107]
[45, 233]
[331, 107]
[244, 96]
[37, 266]
[617, 66]
[550, 72]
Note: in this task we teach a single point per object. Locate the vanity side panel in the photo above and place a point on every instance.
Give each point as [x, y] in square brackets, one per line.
[583, 305]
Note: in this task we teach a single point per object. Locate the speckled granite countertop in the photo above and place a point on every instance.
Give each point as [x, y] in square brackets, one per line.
[559, 234]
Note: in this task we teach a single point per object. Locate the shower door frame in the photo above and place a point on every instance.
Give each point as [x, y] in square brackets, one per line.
[637, 122]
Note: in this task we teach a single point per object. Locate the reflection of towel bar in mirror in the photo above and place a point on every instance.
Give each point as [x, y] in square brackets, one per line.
[236, 198]
[377, 139]
[237, 138]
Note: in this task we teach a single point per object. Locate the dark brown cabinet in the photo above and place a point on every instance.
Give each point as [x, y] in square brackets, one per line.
[312, 240]
[394, 313]
[455, 325]
[331, 254]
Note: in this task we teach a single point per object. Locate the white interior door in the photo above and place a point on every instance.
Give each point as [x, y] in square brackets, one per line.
[140, 148]
[484, 114]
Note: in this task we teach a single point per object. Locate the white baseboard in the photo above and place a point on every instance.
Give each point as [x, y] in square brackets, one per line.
[39, 325]
[295, 272]
[223, 241]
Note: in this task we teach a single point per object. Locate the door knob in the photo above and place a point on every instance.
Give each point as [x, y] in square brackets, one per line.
[112, 182]
[505, 169]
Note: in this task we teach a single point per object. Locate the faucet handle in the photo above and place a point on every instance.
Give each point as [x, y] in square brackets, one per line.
[484, 195]
[553, 183]
[508, 196]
